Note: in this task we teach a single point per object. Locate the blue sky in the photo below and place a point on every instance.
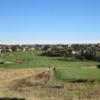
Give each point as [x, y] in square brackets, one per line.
[49, 20]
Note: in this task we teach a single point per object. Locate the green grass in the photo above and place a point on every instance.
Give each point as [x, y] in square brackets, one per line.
[65, 69]
[77, 73]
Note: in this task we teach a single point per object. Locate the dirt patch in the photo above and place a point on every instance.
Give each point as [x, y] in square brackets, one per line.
[91, 67]
[8, 75]
[13, 79]
[10, 62]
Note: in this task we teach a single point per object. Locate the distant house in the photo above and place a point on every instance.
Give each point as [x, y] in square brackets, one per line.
[9, 50]
[98, 44]
[49, 49]
[75, 52]
[24, 49]
[32, 49]
[60, 47]
[0, 50]
[69, 45]
[18, 49]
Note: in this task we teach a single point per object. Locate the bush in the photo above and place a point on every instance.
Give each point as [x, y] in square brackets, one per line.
[2, 62]
[98, 66]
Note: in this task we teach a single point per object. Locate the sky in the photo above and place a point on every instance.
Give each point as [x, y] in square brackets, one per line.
[41, 21]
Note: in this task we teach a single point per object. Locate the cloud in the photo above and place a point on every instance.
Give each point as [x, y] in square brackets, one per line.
[48, 42]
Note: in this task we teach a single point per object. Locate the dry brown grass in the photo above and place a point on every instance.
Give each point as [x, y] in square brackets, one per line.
[21, 83]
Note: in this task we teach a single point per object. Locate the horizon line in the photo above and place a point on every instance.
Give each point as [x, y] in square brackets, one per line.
[49, 42]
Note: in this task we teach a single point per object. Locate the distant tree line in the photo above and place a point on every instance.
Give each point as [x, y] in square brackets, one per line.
[74, 51]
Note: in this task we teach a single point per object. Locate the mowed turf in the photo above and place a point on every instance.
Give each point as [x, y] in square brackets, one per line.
[65, 69]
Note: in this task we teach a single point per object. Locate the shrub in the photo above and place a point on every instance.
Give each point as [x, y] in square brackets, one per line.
[98, 66]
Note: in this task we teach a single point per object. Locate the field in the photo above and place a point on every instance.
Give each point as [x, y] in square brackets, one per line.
[17, 67]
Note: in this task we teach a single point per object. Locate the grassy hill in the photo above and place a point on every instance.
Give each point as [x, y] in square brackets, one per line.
[65, 69]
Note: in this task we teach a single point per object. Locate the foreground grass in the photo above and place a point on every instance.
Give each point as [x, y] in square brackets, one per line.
[13, 85]
[70, 91]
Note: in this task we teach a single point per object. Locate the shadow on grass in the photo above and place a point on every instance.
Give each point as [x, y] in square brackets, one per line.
[5, 98]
